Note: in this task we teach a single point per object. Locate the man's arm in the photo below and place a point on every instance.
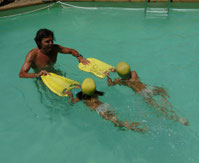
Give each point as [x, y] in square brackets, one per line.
[24, 72]
[76, 54]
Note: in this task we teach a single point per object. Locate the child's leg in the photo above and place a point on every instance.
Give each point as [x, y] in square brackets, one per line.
[161, 91]
[155, 105]
[168, 113]
[173, 116]
[133, 126]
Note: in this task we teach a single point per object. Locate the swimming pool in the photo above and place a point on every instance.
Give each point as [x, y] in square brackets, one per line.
[37, 126]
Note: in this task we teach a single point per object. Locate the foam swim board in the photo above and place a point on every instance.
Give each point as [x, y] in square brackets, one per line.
[57, 83]
[96, 67]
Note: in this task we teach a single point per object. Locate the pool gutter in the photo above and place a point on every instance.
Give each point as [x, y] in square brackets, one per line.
[16, 5]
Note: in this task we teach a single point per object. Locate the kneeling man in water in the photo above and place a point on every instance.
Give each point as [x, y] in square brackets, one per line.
[44, 56]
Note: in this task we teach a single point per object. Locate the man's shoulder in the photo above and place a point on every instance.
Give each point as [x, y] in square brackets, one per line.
[56, 47]
[33, 53]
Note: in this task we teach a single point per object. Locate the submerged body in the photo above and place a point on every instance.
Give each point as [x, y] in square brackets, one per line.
[102, 109]
[147, 92]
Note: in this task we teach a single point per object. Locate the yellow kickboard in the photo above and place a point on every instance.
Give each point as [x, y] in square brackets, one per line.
[58, 83]
[96, 67]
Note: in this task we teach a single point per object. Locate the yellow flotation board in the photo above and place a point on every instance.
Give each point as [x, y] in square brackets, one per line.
[96, 67]
[57, 83]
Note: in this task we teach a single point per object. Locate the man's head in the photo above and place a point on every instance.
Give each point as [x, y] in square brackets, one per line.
[123, 69]
[88, 86]
[44, 34]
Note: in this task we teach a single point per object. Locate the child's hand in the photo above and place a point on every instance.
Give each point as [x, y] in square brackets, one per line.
[77, 86]
[112, 69]
[185, 122]
[106, 73]
[67, 92]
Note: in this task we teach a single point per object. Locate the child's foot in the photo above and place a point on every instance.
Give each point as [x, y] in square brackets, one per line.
[134, 126]
[185, 122]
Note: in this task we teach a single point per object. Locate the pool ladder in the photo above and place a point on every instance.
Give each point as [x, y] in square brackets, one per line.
[157, 10]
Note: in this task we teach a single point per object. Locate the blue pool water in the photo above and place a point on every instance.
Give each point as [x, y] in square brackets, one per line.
[38, 126]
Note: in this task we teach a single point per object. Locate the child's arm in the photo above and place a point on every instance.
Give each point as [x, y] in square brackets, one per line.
[109, 80]
[71, 98]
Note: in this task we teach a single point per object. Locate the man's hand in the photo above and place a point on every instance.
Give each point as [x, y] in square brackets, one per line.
[42, 73]
[84, 61]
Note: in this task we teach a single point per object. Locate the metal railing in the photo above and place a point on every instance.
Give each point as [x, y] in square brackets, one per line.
[151, 8]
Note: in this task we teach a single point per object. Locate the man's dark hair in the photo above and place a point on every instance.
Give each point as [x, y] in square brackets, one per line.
[42, 33]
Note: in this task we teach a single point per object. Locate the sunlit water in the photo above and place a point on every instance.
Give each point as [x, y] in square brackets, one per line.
[36, 126]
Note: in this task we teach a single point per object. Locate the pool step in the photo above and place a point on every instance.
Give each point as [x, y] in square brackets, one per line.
[156, 12]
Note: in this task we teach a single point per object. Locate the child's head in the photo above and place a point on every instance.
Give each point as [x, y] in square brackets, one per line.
[88, 86]
[123, 69]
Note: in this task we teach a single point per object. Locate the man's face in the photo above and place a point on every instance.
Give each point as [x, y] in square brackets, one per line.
[47, 43]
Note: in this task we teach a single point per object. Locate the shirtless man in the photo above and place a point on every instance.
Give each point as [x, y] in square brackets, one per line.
[89, 95]
[44, 56]
[130, 79]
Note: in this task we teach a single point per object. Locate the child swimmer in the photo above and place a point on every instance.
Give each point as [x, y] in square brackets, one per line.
[89, 95]
[130, 79]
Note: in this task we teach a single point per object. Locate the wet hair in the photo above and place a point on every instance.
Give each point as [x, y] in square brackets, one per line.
[42, 33]
[82, 96]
